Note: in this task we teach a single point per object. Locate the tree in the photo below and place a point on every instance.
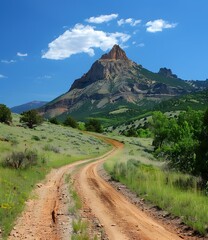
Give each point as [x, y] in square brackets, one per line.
[160, 129]
[54, 121]
[31, 118]
[70, 122]
[93, 125]
[5, 114]
[202, 151]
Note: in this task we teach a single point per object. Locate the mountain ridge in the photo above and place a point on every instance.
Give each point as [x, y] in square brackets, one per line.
[115, 80]
[28, 106]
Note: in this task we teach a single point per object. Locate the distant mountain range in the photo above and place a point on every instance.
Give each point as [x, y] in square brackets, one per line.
[116, 84]
[27, 106]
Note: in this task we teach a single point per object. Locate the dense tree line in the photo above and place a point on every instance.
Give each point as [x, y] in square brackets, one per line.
[183, 141]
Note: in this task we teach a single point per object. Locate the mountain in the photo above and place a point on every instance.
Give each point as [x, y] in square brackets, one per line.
[27, 106]
[116, 84]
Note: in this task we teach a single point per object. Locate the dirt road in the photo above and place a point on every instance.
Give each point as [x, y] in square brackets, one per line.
[41, 218]
[121, 219]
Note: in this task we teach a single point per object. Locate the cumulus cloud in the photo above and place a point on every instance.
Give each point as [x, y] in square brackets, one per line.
[82, 39]
[102, 18]
[132, 22]
[2, 76]
[8, 61]
[158, 25]
[19, 54]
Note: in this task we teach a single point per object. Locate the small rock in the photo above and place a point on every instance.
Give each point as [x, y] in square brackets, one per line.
[166, 214]
[113, 225]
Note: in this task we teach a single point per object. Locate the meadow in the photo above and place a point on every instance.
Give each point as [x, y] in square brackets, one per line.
[174, 192]
[54, 146]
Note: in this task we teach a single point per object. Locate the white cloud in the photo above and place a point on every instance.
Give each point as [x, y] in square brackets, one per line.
[82, 39]
[45, 77]
[132, 22]
[8, 61]
[158, 25]
[102, 18]
[2, 76]
[138, 45]
[19, 54]
[141, 45]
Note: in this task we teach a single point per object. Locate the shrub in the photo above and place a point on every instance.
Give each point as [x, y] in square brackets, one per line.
[5, 114]
[70, 122]
[21, 160]
[93, 125]
[36, 138]
[54, 121]
[51, 148]
[31, 118]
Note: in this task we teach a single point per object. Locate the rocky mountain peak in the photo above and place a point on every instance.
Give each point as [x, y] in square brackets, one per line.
[115, 54]
[167, 73]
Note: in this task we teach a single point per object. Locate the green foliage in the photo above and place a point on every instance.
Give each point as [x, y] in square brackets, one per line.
[70, 122]
[31, 118]
[21, 160]
[79, 226]
[183, 141]
[144, 133]
[93, 125]
[131, 133]
[54, 121]
[5, 114]
[202, 151]
[160, 129]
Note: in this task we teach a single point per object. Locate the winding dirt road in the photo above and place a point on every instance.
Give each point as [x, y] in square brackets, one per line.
[121, 219]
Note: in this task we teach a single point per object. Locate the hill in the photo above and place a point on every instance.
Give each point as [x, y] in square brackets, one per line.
[27, 106]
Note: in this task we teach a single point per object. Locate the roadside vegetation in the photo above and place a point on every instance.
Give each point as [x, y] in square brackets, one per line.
[28, 154]
[170, 172]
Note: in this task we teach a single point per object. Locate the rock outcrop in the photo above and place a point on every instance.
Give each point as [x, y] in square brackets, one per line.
[167, 73]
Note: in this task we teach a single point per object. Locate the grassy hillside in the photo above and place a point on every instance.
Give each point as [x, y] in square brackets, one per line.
[138, 117]
[54, 146]
[175, 82]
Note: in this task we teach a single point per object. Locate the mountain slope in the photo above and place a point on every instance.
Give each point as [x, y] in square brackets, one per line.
[27, 106]
[114, 81]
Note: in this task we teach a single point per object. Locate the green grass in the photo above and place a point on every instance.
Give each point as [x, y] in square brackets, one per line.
[55, 145]
[174, 192]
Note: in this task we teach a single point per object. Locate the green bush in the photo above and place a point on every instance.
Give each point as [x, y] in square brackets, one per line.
[70, 122]
[93, 125]
[21, 160]
[31, 118]
[51, 148]
[36, 138]
[54, 121]
[5, 114]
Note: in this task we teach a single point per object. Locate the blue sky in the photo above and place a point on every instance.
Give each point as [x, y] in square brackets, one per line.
[46, 44]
